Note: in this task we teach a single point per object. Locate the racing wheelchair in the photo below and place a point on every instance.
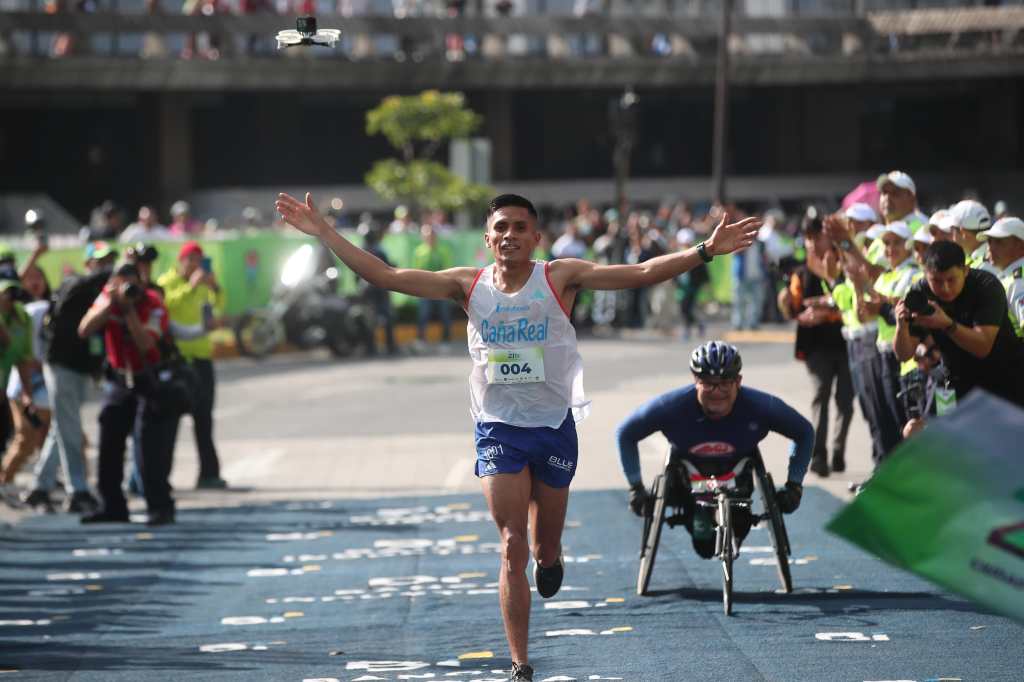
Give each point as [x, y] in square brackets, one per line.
[682, 485]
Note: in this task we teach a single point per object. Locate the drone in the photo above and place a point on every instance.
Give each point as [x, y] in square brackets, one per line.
[306, 33]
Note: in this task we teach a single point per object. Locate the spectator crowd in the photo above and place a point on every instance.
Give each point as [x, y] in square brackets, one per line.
[144, 338]
[906, 313]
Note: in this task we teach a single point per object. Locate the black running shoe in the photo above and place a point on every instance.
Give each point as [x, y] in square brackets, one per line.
[81, 503]
[548, 580]
[521, 673]
[39, 500]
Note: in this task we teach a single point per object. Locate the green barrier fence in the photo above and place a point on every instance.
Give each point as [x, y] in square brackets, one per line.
[249, 265]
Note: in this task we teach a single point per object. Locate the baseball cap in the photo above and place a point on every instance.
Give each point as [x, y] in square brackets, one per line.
[861, 211]
[971, 215]
[141, 252]
[1010, 226]
[937, 218]
[97, 250]
[923, 237]
[898, 178]
[189, 248]
[898, 228]
[875, 231]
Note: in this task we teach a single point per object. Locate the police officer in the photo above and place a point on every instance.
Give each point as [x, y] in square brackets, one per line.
[889, 288]
[133, 320]
[1006, 248]
[969, 219]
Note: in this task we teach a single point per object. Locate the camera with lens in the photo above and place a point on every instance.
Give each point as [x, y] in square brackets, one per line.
[918, 303]
[914, 395]
[131, 291]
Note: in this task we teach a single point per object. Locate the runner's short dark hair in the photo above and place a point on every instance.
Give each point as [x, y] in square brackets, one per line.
[942, 256]
[503, 200]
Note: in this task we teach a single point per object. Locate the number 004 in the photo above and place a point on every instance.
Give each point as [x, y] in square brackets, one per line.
[516, 369]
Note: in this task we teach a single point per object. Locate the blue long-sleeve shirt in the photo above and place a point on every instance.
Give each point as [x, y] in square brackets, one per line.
[682, 421]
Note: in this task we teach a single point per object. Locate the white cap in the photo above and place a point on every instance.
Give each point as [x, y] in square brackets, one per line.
[971, 215]
[898, 228]
[898, 178]
[861, 212]
[947, 222]
[937, 217]
[179, 207]
[1010, 226]
[923, 237]
[875, 231]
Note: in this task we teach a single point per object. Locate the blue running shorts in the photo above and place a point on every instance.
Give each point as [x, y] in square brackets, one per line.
[506, 449]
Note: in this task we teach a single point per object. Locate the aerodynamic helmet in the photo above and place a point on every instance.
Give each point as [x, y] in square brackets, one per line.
[716, 359]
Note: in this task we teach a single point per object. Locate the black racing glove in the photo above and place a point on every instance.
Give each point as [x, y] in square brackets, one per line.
[638, 498]
[788, 498]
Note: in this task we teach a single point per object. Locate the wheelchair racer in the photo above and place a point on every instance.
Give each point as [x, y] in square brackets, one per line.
[714, 423]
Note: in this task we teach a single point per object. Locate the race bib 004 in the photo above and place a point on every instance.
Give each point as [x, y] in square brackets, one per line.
[519, 366]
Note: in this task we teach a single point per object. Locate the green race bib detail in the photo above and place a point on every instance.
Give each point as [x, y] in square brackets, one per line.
[518, 366]
[945, 400]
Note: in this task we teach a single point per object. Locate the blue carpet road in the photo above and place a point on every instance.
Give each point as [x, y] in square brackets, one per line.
[406, 590]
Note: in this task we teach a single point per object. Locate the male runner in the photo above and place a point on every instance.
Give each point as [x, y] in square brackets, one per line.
[714, 423]
[526, 387]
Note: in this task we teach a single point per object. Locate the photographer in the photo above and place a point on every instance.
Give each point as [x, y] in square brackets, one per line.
[133, 320]
[965, 311]
[193, 295]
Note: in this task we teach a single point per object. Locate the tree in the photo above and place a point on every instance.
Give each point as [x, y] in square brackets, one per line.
[417, 126]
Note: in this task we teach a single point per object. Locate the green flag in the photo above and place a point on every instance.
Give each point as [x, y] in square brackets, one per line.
[948, 505]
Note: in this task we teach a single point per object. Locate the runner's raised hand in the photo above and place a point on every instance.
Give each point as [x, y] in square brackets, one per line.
[732, 237]
[302, 216]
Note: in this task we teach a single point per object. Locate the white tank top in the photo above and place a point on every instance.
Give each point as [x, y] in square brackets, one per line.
[526, 368]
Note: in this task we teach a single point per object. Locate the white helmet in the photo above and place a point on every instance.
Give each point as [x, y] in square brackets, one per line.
[971, 215]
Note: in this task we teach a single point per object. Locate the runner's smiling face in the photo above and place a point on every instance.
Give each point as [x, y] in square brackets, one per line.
[512, 235]
[717, 396]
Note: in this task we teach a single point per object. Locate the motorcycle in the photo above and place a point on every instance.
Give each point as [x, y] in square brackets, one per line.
[306, 311]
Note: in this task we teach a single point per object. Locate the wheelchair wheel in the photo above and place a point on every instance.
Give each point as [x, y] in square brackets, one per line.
[652, 535]
[776, 525]
[725, 552]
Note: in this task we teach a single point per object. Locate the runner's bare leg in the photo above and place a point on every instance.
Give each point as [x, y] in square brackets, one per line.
[508, 498]
[547, 520]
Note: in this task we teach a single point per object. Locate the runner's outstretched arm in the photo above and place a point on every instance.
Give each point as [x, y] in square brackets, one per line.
[580, 274]
[446, 284]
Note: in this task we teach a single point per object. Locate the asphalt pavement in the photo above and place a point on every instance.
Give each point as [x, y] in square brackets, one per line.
[355, 545]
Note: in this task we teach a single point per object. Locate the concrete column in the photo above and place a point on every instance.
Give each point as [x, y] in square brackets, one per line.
[174, 148]
[499, 126]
